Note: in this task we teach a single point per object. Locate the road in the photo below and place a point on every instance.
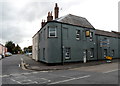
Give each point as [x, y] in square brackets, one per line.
[98, 74]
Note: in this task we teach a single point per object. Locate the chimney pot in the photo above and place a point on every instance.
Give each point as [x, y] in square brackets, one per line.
[49, 17]
[56, 10]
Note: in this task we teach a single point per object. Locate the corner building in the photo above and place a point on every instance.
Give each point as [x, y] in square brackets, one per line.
[72, 39]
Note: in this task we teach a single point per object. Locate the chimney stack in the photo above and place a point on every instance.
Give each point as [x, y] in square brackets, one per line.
[43, 23]
[49, 17]
[56, 10]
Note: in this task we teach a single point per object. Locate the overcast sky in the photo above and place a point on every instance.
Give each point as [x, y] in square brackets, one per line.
[21, 19]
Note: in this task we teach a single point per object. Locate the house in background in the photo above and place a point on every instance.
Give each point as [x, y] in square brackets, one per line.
[71, 39]
[3, 50]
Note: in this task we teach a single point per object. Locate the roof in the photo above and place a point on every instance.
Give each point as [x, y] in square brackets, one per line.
[2, 45]
[75, 20]
[105, 33]
[116, 32]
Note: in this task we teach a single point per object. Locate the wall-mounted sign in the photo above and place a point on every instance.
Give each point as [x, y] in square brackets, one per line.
[104, 43]
[87, 33]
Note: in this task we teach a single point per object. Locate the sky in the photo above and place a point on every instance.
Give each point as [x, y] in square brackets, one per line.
[21, 19]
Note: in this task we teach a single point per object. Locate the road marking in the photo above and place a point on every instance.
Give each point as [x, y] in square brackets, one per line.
[15, 74]
[111, 71]
[43, 78]
[44, 71]
[21, 74]
[5, 75]
[16, 81]
[34, 82]
[66, 77]
[25, 73]
[70, 79]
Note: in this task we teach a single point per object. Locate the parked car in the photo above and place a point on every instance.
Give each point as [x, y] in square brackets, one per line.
[28, 54]
[8, 54]
[0, 56]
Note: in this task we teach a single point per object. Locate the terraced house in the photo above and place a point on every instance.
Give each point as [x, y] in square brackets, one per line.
[71, 39]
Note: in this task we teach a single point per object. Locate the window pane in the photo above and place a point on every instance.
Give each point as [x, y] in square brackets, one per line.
[91, 36]
[77, 34]
[92, 53]
[67, 53]
[52, 32]
[52, 29]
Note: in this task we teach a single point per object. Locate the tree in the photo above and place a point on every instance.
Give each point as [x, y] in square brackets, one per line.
[30, 48]
[10, 46]
[17, 49]
[27, 49]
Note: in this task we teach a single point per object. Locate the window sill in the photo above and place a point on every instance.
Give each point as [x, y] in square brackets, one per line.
[52, 37]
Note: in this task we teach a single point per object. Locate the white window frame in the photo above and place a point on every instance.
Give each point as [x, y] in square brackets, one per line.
[53, 32]
[91, 36]
[67, 51]
[77, 35]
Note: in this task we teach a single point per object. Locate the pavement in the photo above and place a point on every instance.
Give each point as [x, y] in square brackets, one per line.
[39, 66]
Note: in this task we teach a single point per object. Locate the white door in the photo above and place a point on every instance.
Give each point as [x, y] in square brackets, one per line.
[84, 56]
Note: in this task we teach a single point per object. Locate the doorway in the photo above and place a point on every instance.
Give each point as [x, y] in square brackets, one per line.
[85, 56]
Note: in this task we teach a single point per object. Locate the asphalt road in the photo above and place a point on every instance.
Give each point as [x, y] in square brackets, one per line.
[98, 74]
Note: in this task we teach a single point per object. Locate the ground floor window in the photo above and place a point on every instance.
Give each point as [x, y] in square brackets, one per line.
[112, 52]
[67, 53]
[44, 53]
[105, 53]
[92, 53]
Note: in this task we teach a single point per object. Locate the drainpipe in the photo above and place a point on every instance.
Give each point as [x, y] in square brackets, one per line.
[97, 47]
[62, 59]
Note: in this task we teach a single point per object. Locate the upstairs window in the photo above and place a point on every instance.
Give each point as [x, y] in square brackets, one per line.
[91, 36]
[87, 33]
[52, 32]
[78, 34]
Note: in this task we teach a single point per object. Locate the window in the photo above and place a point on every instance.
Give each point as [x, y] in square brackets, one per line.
[92, 53]
[67, 53]
[87, 33]
[78, 34]
[44, 53]
[105, 53]
[52, 32]
[112, 52]
[91, 36]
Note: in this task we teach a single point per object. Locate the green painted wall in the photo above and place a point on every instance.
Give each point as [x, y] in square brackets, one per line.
[53, 53]
[50, 48]
[113, 45]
